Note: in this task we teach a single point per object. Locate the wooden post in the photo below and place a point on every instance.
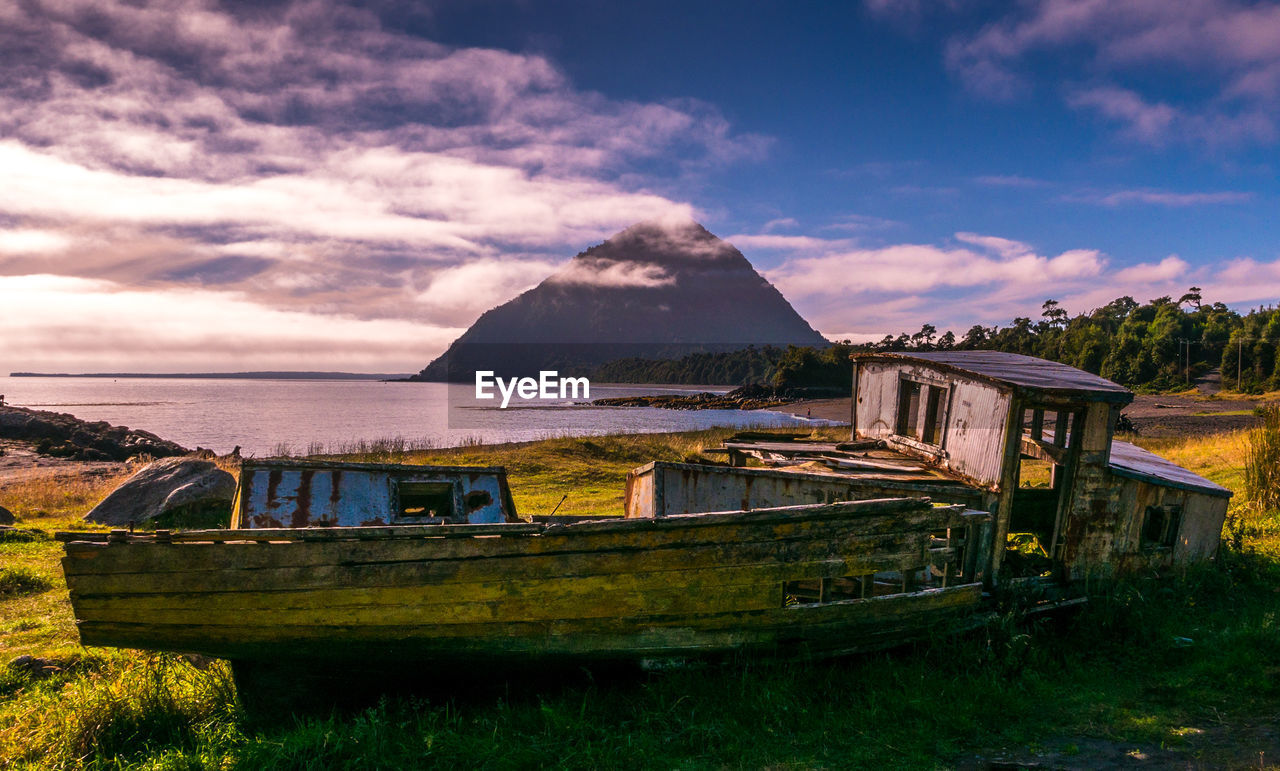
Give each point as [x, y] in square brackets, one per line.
[1060, 428]
[853, 405]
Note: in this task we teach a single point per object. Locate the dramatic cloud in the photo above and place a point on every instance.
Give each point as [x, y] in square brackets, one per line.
[864, 294]
[307, 160]
[1232, 44]
[471, 288]
[77, 325]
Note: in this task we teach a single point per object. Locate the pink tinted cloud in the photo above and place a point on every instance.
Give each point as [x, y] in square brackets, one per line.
[864, 294]
[303, 156]
[58, 323]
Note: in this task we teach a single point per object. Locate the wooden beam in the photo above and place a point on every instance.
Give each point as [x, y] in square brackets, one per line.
[1042, 450]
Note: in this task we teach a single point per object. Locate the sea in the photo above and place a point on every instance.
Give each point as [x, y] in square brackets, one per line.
[265, 417]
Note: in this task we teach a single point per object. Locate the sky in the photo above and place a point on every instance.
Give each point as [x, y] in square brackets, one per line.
[194, 185]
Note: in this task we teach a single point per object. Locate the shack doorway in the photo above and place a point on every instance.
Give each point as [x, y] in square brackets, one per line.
[1041, 489]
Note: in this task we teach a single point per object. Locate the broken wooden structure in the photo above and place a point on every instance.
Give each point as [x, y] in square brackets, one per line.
[1028, 440]
[805, 581]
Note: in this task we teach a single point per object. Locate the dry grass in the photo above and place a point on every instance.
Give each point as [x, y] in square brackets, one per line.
[39, 619]
[1217, 457]
[57, 499]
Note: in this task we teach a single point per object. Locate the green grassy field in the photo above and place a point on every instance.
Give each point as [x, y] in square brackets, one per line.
[1183, 671]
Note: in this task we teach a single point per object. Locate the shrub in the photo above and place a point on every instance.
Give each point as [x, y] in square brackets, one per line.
[19, 580]
[1262, 462]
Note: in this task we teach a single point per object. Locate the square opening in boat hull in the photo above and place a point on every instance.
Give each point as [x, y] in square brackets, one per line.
[424, 501]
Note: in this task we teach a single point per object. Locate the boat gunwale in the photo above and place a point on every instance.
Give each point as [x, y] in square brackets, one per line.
[814, 512]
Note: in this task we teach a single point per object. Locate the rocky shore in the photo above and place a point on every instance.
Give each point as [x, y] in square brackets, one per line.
[749, 397]
[59, 435]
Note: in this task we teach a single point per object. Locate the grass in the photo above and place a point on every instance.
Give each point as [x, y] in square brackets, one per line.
[1224, 413]
[57, 500]
[1262, 461]
[17, 580]
[1175, 664]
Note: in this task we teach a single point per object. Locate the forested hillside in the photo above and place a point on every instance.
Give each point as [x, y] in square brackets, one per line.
[1157, 346]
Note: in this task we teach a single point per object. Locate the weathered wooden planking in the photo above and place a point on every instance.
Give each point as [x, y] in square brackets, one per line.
[1202, 519]
[372, 533]
[396, 607]
[663, 489]
[837, 627]
[442, 600]
[510, 567]
[83, 558]
[693, 592]
[836, 510]
[279, 623]
[908, 554]
[976, 412]
[784, 447]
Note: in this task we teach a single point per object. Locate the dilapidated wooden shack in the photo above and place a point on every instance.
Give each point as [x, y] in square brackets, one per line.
[1028, 440]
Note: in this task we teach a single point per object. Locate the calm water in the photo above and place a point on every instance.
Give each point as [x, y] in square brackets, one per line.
[262, 416]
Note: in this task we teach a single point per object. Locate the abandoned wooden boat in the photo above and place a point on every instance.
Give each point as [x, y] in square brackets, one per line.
[800, 580]
[963, 471]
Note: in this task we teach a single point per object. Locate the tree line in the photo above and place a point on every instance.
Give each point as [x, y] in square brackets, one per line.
[1160, 345]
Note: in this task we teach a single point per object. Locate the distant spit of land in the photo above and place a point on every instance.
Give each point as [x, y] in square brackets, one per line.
[226, 375]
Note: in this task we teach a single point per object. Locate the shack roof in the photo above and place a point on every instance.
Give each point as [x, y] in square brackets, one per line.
[1130, 460]
[1025, 373]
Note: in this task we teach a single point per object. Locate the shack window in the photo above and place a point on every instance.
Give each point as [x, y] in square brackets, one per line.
[922, 411]
[1054, 427]
[422, 500]
[1160, 526]
[908, 407]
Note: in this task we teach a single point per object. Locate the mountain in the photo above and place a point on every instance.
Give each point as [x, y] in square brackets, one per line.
[655, 290]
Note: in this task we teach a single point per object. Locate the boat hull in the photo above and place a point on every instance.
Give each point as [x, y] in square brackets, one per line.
[696, 585]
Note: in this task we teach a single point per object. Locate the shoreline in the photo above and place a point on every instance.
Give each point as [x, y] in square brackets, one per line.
[830, 410]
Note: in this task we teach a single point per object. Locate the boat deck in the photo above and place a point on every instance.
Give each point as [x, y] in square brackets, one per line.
[868, 460]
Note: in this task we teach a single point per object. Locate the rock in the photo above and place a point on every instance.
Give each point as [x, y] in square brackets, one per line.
[168, 489]
[66, 436]
[35, 667]
[6, 516]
